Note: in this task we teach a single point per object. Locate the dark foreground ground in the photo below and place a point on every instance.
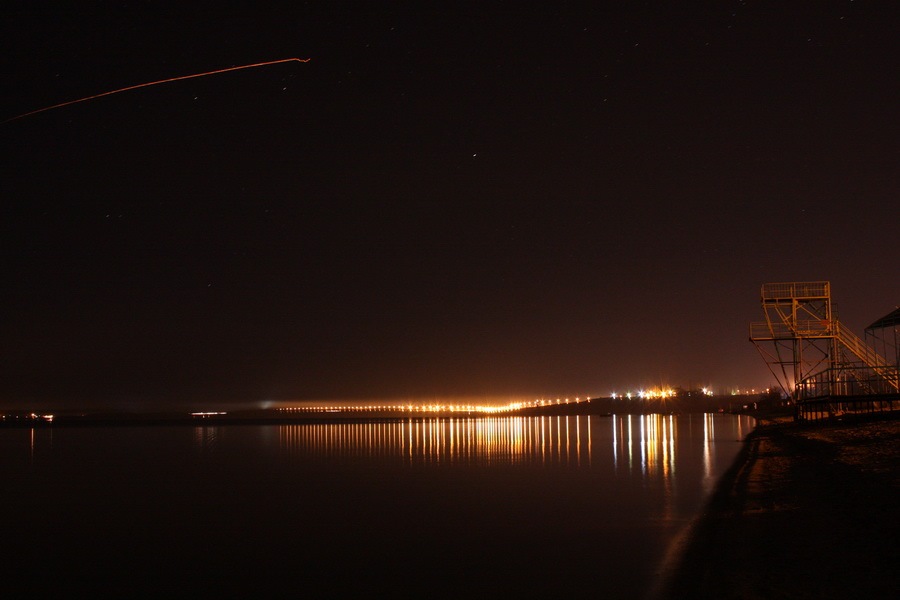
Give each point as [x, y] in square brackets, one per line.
[807, 511]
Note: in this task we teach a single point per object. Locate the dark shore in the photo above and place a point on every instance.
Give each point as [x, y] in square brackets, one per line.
[806, 511]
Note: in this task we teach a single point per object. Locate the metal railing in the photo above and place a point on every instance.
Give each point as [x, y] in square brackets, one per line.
[796, 290]
[858, 347]
[776, 330]
[851, 379]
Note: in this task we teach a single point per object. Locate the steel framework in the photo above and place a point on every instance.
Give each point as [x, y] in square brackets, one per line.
[811, 354]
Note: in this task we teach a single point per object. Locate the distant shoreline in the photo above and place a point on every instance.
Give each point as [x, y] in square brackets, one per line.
[298, 414]
[273, 417]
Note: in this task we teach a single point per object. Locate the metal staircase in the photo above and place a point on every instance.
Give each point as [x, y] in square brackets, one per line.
[863, 351]
[818, 357]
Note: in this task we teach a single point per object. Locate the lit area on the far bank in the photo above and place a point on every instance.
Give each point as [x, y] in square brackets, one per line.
[463, 407]
[430, 407]
[32, 416]
[662, 399]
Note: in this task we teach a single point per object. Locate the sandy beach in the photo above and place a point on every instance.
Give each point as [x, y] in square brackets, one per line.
[806, 511]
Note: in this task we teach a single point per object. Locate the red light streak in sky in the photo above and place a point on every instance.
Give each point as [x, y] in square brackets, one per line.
[170, 79]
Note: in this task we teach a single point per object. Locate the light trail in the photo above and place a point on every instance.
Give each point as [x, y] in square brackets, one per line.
[149, 83]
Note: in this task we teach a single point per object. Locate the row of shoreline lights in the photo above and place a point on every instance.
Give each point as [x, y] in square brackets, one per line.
[420, 408]
[653, 394]
[31, 417]
[469, 408]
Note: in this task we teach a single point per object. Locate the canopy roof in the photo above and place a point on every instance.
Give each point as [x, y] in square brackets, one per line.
[891, 319]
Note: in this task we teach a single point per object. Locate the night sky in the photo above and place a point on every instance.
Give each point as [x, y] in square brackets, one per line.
[481, 200]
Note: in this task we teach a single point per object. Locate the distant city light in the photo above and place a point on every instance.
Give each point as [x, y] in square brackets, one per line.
[457, 407]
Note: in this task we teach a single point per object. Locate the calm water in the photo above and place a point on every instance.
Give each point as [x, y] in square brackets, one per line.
[491, 507]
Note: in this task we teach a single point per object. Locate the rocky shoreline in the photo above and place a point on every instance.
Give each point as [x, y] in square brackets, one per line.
[806, 511]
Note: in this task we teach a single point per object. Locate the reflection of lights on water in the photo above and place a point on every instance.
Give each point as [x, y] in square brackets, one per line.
[449, 440]
[206, 437]
[630, 445]
[615, 438]
[643, 443]
[708, 433]
[46, 435]
[506, 440]
[558, 439]
[654, 434]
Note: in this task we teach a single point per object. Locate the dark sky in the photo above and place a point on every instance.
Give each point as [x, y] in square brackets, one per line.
[480, 200]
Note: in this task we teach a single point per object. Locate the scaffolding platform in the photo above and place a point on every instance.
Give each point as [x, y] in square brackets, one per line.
[819, 362]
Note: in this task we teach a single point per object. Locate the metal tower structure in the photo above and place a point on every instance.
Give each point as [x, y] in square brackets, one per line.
[810, 353]
[796, 339]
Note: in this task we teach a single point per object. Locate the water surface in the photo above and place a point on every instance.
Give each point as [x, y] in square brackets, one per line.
[481, 507]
